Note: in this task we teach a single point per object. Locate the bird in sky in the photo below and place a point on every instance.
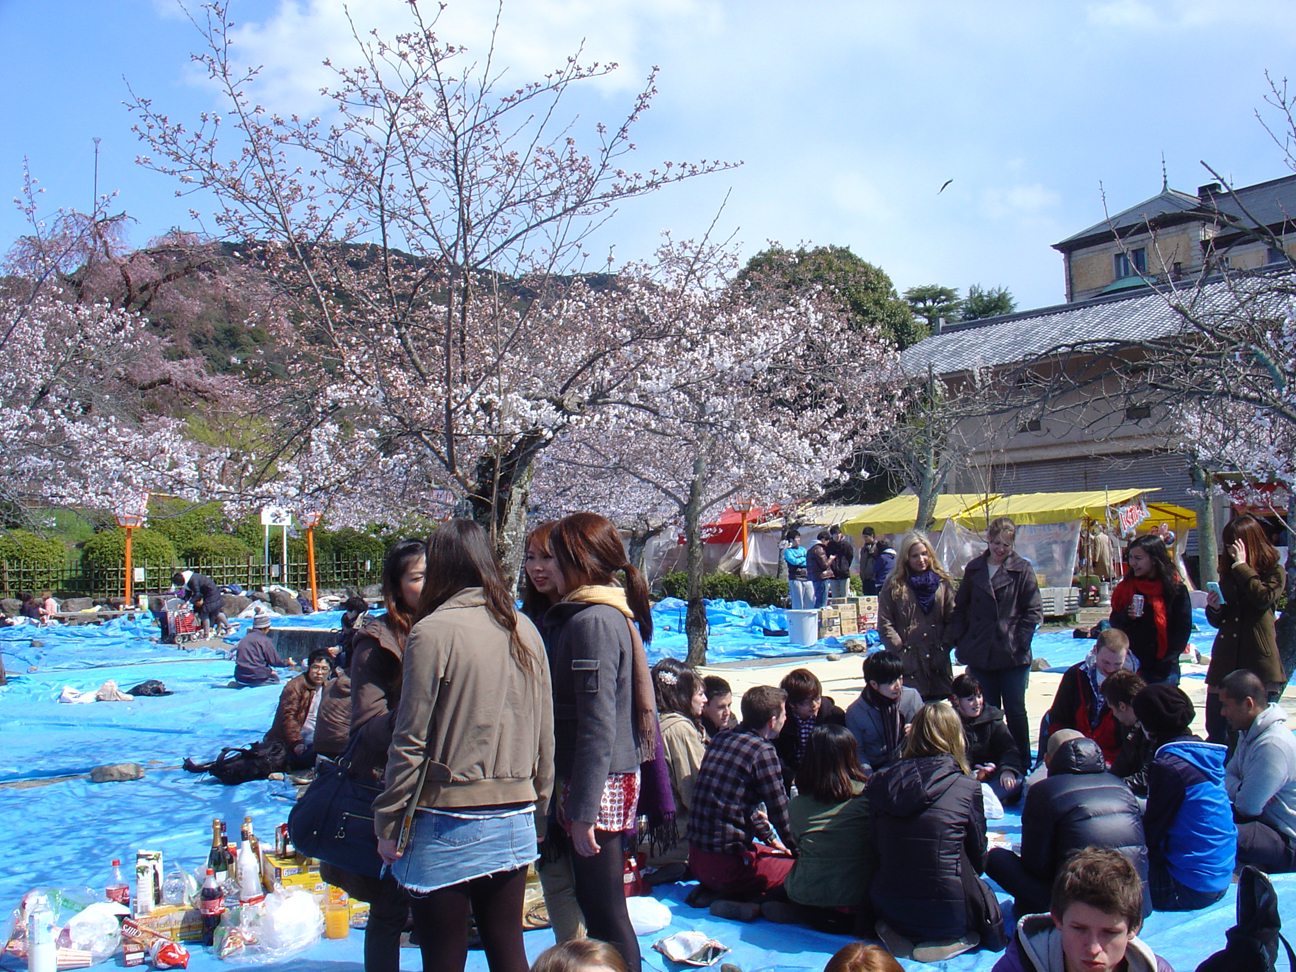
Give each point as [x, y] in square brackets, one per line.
[942, 188]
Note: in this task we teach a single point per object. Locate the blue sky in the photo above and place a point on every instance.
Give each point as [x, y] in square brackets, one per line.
[848, 116]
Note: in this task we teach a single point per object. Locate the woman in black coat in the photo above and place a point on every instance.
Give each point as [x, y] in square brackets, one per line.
[930, 833]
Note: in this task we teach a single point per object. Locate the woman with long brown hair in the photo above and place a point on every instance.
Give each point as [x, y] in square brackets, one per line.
[1251, 582]
[376, 653]
[605, 717]
[471, 757]
[914, 609]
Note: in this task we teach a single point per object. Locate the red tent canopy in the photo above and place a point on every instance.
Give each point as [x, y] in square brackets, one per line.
[727, 527]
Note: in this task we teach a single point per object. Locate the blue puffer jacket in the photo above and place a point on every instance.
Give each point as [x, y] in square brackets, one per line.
[795, 558]
[1189, 821]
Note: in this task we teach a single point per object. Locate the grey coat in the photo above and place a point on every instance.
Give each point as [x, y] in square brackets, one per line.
[865, 724]
[591, 663]
[994, 621]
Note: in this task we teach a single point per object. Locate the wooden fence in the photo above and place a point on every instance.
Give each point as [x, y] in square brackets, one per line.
[17, 576]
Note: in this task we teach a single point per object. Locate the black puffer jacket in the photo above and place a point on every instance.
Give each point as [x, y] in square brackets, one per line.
[1080, 805]
[929, 828]
[989, 741]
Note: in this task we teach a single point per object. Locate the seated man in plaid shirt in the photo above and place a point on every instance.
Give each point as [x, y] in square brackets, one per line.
[740, 771]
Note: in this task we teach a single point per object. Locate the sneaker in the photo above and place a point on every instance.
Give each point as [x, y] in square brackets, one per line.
[896, 944]
[736, 910]
[939, 951]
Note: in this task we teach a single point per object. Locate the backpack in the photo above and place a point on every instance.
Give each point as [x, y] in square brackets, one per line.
[1253, 941]
[257, 762]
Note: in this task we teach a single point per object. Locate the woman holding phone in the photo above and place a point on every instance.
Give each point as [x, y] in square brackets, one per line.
[1251, 583]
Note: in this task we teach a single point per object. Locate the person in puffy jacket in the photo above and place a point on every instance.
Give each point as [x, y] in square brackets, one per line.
[930, 833]
[1095, 914]
[882, 563]
[1191, 838]
[1079, 805]
[800, 590]
[996, 610]
[991, 752]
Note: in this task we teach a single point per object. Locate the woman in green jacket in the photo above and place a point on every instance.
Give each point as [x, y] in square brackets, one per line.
[829, 816]
[1251, 581]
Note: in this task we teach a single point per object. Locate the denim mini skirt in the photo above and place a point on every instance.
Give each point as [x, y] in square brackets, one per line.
[448, 847]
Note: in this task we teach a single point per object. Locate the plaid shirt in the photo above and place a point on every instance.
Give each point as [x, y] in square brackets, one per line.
[739, 771]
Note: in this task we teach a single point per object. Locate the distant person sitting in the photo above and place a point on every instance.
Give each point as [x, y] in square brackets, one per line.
[255, 656]
[1261, 774]
[991, 752]
[294, 721]
[1095, 913]
[1138, 748]
[717, 714]
[739, 773]
[806, 708]
[880, 717]
[1191, 839]
[31, 607]
[208, 604]
[48, 606]
[1079, 805]
[1079, 702]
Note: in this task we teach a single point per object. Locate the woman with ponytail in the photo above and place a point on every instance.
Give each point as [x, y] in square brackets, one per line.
[1159, 622]
[605, 717]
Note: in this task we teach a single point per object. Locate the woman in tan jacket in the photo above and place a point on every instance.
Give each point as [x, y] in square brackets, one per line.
[914, 609]
[471, 760]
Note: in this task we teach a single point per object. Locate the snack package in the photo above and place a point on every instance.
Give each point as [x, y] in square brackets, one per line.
[168, 955]
[691, 948]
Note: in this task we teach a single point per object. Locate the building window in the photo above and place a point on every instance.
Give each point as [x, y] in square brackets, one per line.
[1136, 413]
[1130, 263]
[1274, 255]
[1034, 425]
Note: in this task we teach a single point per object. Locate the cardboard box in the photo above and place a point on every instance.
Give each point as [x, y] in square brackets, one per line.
[868, 604]
[277, 870]
[133, 953]
[176, 922]
[829, 622]
[849, 625]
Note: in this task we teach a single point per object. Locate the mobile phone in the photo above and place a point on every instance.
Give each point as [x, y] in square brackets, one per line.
[1214, 588]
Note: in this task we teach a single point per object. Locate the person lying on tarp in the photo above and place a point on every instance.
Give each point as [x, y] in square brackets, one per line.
[255, 656]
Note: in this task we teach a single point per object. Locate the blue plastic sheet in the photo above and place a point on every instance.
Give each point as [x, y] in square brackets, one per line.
[66, 831]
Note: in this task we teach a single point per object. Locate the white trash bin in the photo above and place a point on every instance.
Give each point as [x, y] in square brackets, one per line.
[803, 627]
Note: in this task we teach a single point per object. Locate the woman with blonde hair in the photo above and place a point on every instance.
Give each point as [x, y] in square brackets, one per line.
[930, 833]
[914, 609]
[1251, 582]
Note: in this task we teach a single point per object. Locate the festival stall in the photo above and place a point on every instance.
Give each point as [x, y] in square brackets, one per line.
[896, 516]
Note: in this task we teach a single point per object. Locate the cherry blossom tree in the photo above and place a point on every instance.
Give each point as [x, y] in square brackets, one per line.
[761, 393]
[421, 237]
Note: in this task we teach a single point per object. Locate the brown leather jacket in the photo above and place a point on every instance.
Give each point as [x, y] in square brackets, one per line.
[294, 706]
[376, 655]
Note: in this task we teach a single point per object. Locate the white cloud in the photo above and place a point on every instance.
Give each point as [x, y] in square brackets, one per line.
[1019, 201]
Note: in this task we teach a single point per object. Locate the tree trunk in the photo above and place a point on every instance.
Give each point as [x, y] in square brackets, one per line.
[1286, 625]
[928, 491]
[695, 622]
[637, 549]
[506, 520]
[1207, 541]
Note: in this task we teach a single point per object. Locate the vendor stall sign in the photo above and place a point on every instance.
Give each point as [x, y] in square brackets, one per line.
[1132, 515]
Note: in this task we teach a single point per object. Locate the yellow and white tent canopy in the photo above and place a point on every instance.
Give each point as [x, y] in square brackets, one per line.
[896, 515]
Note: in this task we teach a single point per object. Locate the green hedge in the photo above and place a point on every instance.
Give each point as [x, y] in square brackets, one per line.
[758, 592]
[219, 548]
[32, 549]
[108, 548]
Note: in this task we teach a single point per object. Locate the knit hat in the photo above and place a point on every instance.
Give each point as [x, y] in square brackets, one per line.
[261, 621]
[1164, 710]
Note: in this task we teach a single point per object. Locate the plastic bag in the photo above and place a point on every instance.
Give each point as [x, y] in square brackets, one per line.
[64, 902]
[286, 924]
[648, 915]
[691, 948]
[95, 930]
[993, 808]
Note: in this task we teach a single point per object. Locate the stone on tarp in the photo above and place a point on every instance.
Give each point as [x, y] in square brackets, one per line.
[77, 604]
[295, 644]
[117, 773]
[1040, 665]
[11, 606]
[371, 592]
[234, 604]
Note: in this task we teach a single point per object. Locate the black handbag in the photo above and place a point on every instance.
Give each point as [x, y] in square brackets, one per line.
[333, 821]
[1253, 941]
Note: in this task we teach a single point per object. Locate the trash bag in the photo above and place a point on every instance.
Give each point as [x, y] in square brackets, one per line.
[152, 687]
[256, 762]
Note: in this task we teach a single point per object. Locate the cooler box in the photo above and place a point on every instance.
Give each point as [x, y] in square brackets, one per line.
[803, 627]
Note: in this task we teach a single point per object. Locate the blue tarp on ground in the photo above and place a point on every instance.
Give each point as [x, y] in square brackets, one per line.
[66, 832]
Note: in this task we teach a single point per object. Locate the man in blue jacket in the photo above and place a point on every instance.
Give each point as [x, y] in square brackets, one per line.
[1191, 840]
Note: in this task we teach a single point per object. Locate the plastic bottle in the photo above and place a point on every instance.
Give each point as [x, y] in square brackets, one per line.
[118, 887]
[173, 888]
[211, 904]
[249, 874]
[42, 951]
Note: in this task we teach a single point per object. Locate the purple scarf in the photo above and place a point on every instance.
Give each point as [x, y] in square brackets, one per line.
[925, 586]
[657, 800]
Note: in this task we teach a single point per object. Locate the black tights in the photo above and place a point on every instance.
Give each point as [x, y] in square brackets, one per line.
[441, 918]
[600, 892]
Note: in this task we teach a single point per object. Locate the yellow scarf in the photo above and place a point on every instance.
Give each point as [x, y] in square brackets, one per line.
[607, 594]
